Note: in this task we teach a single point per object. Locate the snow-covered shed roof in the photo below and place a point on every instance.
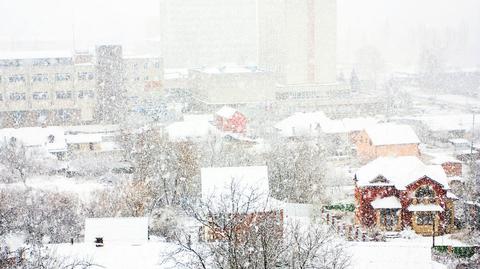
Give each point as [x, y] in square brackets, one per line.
[198, 129]
[51, 138]
[83, 138]
[399, 172]
[121, 230]
[386, 202]
[221, 184]
[226, 112]
[391, 134]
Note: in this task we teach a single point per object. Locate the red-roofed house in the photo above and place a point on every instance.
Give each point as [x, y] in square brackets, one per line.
[230, 120]
[392, 193]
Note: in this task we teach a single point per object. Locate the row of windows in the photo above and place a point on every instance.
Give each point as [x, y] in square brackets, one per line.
[299, 95]
[145, 65]
[21, 96]
[36, 62]
[43, 77]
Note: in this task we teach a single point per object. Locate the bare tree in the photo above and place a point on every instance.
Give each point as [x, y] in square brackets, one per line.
[13, 155]
[296, 171]
[35, 257]
[243, 230]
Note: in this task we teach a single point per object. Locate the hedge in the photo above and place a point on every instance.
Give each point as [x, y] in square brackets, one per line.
[341, 207]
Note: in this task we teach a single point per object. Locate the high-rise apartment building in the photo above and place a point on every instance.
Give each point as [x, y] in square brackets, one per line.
[297, 39]
[196, 33]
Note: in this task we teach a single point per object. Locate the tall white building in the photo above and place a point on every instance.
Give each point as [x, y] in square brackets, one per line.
[208, 32]
[297, 39]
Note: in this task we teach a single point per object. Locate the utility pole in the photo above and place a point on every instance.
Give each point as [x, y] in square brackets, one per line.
[433, 230]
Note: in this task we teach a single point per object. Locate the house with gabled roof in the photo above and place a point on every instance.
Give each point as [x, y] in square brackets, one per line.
[239, 195]
[228, 119]
[386, 139]
[392, 193]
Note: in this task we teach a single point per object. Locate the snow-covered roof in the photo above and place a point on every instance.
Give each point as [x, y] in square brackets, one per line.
[399, 172]
[83, 138]
[197, 129]
[302, 124]
[51, 138]
[457, 141]
[198, 117]
[124, 230]
[451, 195]
[229, 69]
[221, 184]
[226, 112]
[386, 202]
[443, 158]
[424, 207]
[391, 134]
[35, 54]
[91, 129]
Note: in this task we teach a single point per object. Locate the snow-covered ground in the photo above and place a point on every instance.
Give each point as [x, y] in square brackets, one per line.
[118, 255]
[398, 253]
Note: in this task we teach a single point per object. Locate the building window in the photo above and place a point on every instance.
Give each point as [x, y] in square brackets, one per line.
[18, 96]
[389, 218]
[40, 96]
[16, 78]
[85, 76]
[63, 114]
[1, 97]
[145, 65]
[86, 94]
[62, 76]
[41, 62]
[63, 94]
[39, 77]
[424, 192]
[424, 218]
[146, 78]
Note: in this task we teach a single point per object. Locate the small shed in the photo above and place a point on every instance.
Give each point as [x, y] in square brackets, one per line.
[116, 230]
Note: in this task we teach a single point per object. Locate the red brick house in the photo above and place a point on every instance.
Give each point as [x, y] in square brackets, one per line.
[238, 199]
[392, 193]
[228, 119]
[386, 139]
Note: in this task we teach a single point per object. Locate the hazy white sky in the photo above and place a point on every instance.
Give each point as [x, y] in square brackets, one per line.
[389, 25]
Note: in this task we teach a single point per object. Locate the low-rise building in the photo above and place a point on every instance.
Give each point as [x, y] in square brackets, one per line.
[386, 139]
[228, 119]
[60, 87]
[232, 85]
[241, 194]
